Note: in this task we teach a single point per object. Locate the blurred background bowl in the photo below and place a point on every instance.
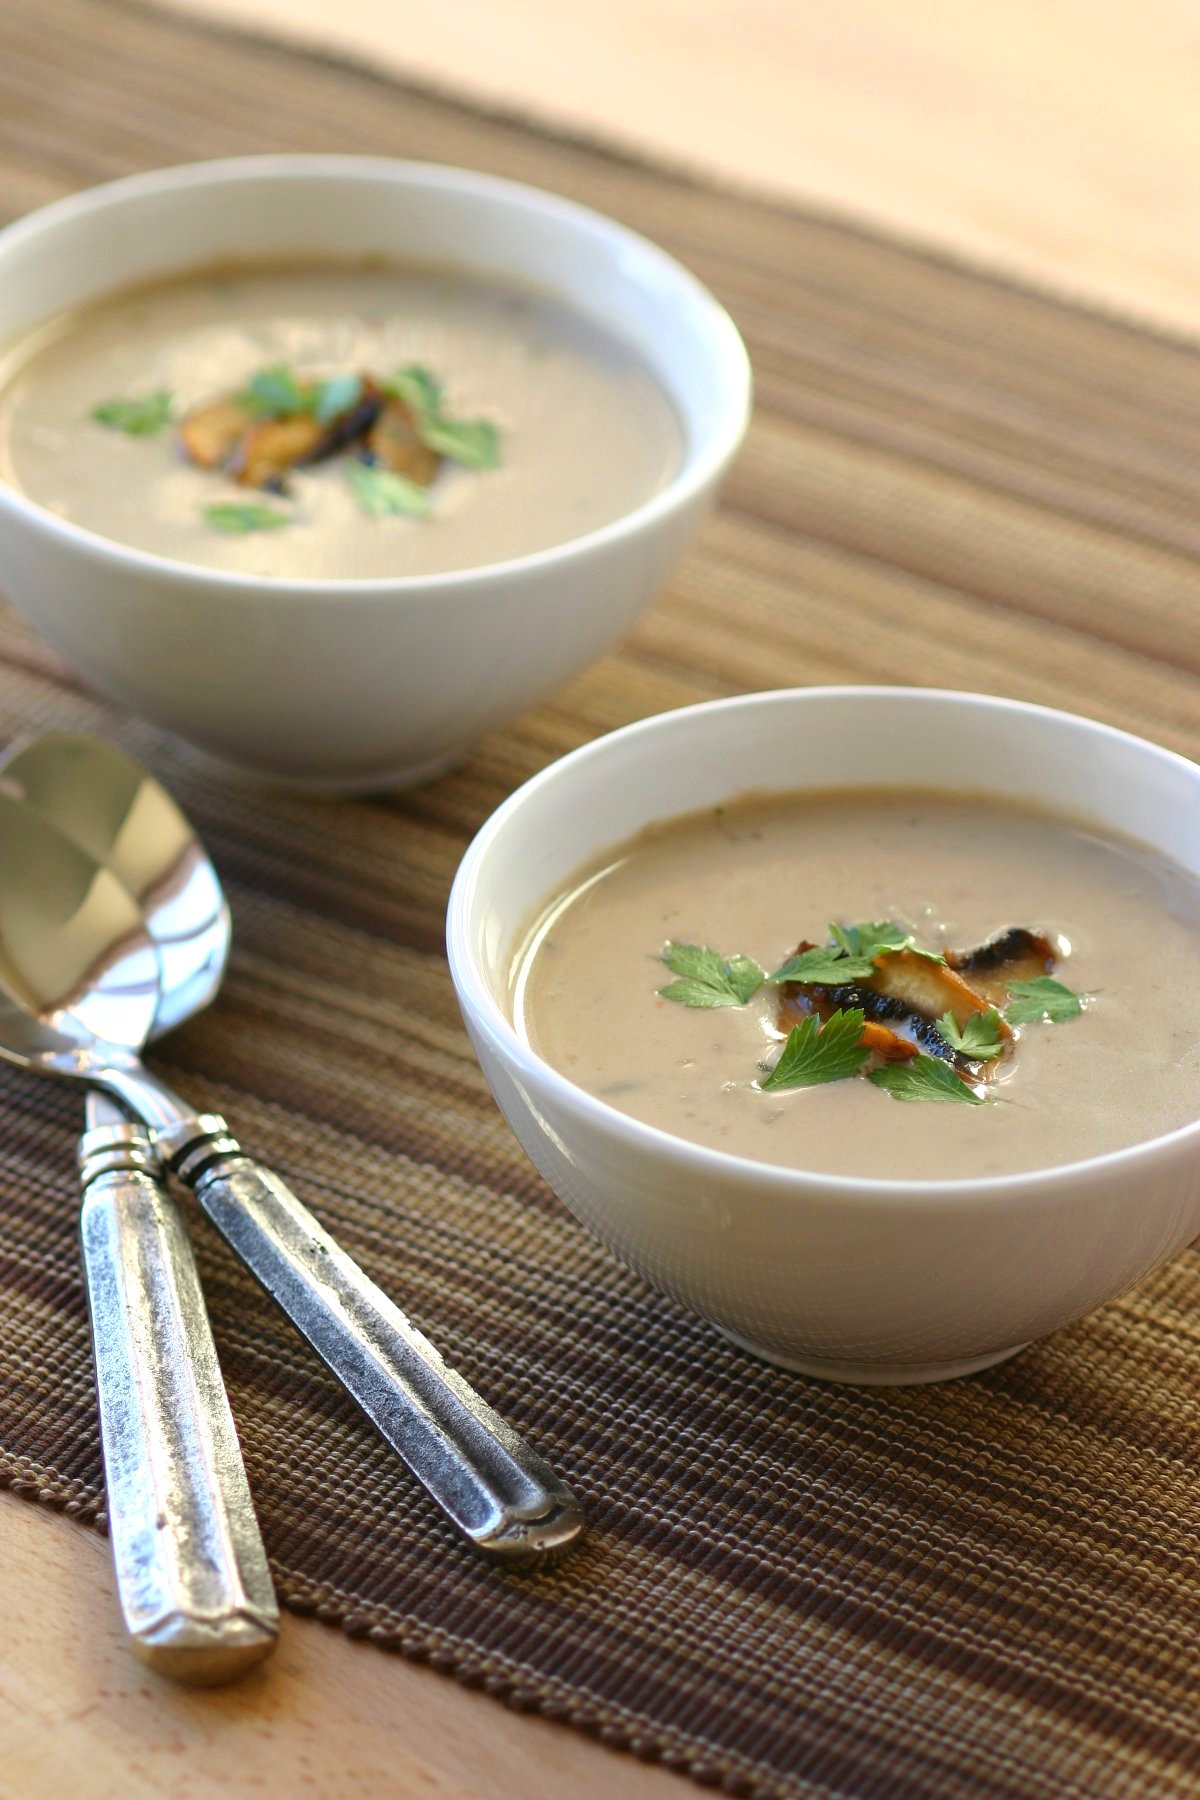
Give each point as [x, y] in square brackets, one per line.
[357, 684]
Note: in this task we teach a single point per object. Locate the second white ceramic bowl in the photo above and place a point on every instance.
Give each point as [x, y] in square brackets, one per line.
[360, 683]
[870, 1281]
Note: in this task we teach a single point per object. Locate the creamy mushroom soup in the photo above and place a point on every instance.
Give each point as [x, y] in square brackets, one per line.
[901, 985]
[333, 422]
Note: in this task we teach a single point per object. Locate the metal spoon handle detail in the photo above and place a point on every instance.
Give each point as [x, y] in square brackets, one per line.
[489, 1483]
[192, 1575]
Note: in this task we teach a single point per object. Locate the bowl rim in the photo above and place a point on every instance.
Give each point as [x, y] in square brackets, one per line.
[695, 474]
[483, 1011]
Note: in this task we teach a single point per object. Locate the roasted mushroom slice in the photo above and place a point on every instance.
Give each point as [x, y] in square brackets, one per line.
[209, 435]
[355, 421]
[1013, 955]
[395, 443]
[796, 1002]
[268, 452]
[928, 987]
[893, 1029]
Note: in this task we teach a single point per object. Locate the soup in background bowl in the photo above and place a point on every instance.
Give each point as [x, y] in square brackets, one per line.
[100, 408]
[321, 631]
[888, 1260]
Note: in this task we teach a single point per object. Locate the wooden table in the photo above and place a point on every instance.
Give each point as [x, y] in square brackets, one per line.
[80, 1720]
[1059, 141]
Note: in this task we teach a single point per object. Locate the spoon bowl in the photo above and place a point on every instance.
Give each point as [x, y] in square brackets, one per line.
[78, 969]
[108, 807]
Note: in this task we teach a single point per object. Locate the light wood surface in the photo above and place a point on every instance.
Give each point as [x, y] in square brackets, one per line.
[1059, 139]
[80, 1720]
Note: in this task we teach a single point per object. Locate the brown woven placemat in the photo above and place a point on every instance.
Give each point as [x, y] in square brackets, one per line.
[789, 1588]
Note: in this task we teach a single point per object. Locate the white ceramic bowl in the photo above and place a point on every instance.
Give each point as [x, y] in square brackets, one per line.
[353, 684]
[870, 1281]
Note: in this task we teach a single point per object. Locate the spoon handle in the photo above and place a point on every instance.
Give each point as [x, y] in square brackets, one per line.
[192, 1576]
[490, 1484]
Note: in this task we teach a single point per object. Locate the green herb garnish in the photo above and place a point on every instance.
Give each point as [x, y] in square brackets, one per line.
[417, 387]
[851, 956]
[708, 979]
[473, 442]
[336, 396]
[872, 938]
[869, 938]
[382, 494]
[816, 1053]
[136, 418]
[275, 393]
[824, 965]
[1042, 998]
[925, 1078]
[979, 1038]
[245, 515]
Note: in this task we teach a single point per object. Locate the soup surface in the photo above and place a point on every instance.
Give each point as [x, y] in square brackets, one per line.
[585, 434]
[757, 876]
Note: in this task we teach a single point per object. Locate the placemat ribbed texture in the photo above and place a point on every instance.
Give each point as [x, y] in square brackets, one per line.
[987, 1588]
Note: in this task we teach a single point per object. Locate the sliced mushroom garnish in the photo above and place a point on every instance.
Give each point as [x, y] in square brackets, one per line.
[232, 434]
[1013, 955]
[354, 421]
[269, 452]
[209, 435]
[797, 1002]
[928, 987]
[908, 992]
[897, 1032]
[395, 443]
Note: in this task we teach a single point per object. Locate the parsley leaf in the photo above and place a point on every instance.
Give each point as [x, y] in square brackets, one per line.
[816, 1053]
[872, 937]
[136, 418]
[381, 493]
[826, 965]
[336, 396]
[925, 1078]
[241, 516]
[473, 442]
[417, 387]
[979, 1038]
[276, 392]
[868, 938]
[709, 979]
[1042, 998]
[851, 956]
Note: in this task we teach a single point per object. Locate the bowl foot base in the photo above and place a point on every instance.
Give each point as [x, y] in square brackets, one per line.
[873, 1374]
[391, 781]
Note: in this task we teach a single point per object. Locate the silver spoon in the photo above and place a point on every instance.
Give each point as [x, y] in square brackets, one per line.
[491, 1484]
[192, 1576]
[105, 803]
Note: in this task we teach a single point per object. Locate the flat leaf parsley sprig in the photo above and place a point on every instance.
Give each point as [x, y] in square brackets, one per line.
[708, 979]
[925, 1078]
[1042, 999]
[979, 1037]
[816, 1052]
[144, 417]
